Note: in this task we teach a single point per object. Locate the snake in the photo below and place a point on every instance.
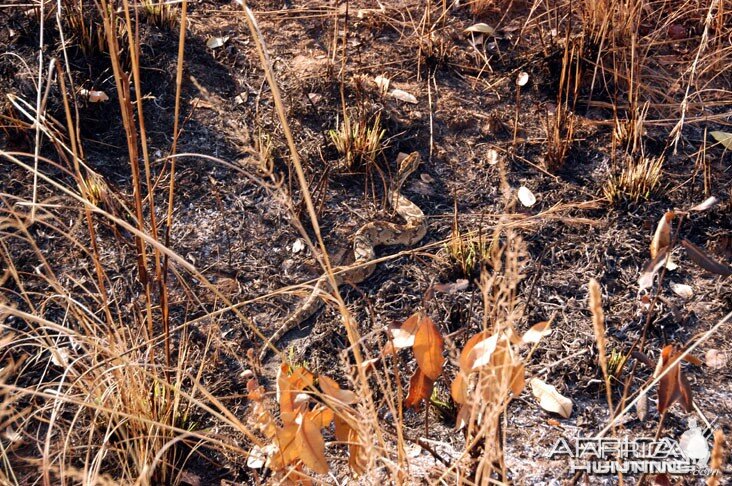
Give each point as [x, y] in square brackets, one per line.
[365, 241]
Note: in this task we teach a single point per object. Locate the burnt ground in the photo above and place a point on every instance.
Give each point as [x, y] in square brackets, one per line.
[238, 231]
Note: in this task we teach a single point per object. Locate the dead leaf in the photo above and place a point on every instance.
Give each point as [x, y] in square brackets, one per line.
[94, 96]
[311, 447]
[298, 245]
[701, 258]
[331, 388]
[287, 443]
[481, 28]
[477, 351]
[256, 458]
[691, 359]
[453, 287]
[402, 95]
[682, 290]
[216, 42]
[709, 202]
[290, 383]
[322, 416]
[463, 417]
[357, 459]
[676, 32]
[526, 197]
[342, 429]
[641, 407]
[492, 156]
[522, 78]
[382, 82]
[459, 389]
[724, 138]
[645, 281]
[403, 337]
[420, 388]
[518, 379]
[715, 358]
[369, 365]
[662, 237]
[537, 332]
[428, 348]
[717, 458]
[673, 385]
[550, 399]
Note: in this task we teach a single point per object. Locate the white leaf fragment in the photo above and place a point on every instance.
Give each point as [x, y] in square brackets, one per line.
[216, 42]
[402, 95]
[481, 28]
[526, 197]
[682, 290]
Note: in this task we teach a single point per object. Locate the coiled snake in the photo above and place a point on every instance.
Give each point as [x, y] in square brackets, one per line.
[366, 239]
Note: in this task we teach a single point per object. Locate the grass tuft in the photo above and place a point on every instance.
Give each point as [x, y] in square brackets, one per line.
[637, 181]
[359, 142]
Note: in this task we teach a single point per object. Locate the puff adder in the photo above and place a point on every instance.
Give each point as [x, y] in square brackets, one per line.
[366, 239]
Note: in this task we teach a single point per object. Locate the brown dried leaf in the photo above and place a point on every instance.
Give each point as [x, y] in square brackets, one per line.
[459, 388]
[701, 258]
[331, 388]
[452, 287]
[685, 390]
[645, 281]
[420, 388]
[467, 358]
[356, 454]
[311, 446]
[287, 443]
[342, 429]
[691, 359]
[673, 385]
[463, 416]
[662, 237]
[717, 458]
[480, 354]
[321, 416]
[404, 335]
[428, 347]
[518, 379]
[677, 32]
[290, 383]
[537, 332]
[550, 399]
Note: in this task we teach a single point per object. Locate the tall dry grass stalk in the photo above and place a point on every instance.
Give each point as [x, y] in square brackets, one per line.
[598, 325]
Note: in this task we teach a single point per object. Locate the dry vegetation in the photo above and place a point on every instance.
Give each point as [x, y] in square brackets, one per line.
[171, 171]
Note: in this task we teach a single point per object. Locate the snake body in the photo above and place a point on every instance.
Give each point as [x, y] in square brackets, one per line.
[366, 239]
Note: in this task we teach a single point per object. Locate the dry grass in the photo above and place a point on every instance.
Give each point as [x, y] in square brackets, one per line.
[636, 182]
[467, 252]
[100, 384]
[358, 141]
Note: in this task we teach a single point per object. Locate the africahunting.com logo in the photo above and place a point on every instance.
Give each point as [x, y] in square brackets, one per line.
[689, 455]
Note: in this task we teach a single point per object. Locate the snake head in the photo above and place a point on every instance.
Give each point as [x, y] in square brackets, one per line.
[408, 165]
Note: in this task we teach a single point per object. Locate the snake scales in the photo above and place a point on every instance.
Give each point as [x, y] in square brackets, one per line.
[366, 239]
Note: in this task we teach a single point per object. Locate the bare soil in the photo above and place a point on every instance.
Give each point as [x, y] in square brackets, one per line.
[240, 233]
